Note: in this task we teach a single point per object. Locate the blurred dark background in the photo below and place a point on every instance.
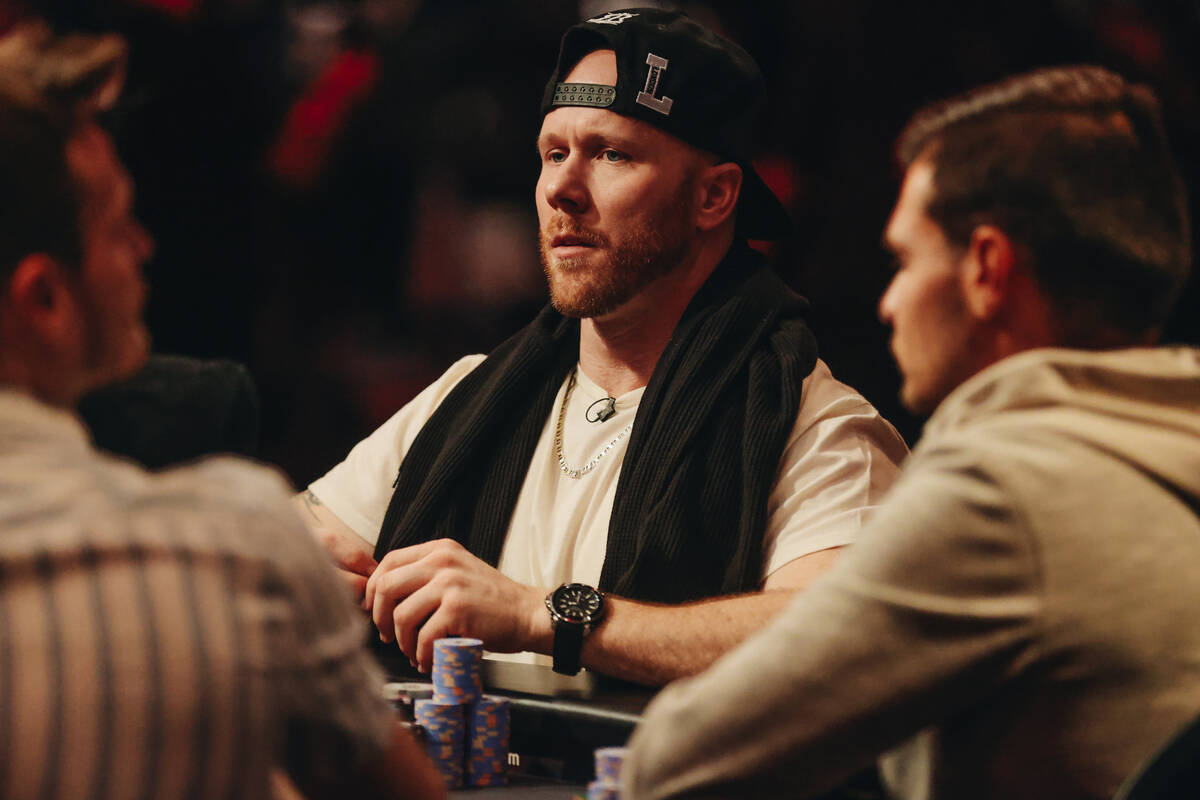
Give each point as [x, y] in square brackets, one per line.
[342, 192]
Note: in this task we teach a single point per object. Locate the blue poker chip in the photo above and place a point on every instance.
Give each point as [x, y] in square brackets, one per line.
[609, 761]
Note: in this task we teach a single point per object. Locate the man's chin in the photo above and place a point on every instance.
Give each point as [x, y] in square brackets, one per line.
[921, 402]
[584, 302]
[133, 355]
[578, 308]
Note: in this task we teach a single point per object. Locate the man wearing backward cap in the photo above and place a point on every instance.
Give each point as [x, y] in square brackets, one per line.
[661, 435]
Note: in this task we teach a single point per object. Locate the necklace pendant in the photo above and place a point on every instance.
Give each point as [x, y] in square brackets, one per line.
[576, 474]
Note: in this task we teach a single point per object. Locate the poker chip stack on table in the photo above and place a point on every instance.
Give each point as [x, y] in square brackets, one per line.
[607, 785]
[487, 740]
[445, 729]
[466, 732]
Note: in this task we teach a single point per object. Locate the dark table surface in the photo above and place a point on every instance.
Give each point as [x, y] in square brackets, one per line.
[521, 788]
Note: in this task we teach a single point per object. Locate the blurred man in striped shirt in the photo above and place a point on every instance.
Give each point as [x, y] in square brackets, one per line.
[162, 634]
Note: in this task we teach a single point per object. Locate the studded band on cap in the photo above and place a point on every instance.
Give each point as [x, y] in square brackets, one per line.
[584, 94]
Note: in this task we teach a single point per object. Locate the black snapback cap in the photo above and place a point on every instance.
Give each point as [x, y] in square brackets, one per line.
[681, 77]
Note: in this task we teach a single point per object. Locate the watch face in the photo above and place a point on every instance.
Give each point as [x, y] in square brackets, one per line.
[577, 602]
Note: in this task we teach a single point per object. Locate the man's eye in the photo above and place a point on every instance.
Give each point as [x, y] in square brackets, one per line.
[556, 157]
[614, 156]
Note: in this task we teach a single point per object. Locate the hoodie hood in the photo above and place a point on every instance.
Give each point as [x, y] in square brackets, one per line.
[1140, 405]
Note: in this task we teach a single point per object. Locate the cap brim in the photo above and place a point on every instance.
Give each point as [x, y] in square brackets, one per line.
[760, 215]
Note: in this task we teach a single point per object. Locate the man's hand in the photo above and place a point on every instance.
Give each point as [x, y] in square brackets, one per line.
[353, 561]
[350, 553]
[438, 589]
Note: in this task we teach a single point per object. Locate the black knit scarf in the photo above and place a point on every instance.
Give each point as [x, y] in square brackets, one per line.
[691, 501]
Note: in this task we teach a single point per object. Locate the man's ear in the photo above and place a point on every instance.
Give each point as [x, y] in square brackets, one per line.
[41, 297]
[988, 273]
[718, 188]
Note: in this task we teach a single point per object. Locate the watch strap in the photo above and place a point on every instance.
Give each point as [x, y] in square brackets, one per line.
[568, 643]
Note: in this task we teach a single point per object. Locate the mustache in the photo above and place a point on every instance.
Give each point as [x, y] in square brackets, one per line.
[563, 226]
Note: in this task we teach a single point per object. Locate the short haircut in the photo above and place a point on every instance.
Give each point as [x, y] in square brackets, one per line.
[49, 88]
[1073, 164]
[41, 197]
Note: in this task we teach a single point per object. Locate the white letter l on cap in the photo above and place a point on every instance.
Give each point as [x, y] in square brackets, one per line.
[658, 65]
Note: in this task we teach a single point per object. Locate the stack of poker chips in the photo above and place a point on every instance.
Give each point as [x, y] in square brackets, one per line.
[466, 732]
[607, 785]
[456, 677]
[487, 738]
[445, 729]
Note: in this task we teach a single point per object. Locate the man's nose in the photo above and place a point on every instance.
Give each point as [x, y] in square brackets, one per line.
[886, 302]
[565, 185]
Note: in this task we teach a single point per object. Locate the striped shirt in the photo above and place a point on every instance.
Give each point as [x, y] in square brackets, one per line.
[166, 635]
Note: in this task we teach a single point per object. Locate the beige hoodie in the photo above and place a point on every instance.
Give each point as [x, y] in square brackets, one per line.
[1020, 620]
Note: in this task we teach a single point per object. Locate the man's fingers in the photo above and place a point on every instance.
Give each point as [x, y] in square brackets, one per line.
[356, 582]
[348, 555]
[432, 556]
[411, 614]
[414, 553]
[436, 627]
[368, 602]
[392, 586]
[359, 562]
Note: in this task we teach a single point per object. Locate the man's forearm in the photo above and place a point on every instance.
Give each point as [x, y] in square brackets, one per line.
[655, 644]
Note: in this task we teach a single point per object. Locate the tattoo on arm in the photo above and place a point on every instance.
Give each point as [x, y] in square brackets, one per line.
[311, 501]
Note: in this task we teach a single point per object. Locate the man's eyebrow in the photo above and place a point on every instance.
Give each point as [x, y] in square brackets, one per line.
[543, 140]
[593, 139]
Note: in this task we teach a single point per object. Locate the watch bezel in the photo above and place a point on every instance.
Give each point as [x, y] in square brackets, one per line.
[560, 616]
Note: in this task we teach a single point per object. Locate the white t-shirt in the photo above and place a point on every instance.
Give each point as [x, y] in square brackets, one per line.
[840, 459]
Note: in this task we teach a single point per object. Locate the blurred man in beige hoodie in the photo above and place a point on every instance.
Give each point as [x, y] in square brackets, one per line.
[1019, 618]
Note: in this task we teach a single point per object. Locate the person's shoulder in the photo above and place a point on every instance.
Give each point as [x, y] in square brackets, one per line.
[421, 407]
[827, 403]
[402, 427]
[246, 504]
[218, 488]
[236, 482]
[459, 370]
[824, 393]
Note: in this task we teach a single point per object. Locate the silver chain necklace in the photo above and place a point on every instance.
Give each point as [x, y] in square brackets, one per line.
[558, 438]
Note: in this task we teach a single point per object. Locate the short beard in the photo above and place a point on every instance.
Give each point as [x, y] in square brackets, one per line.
[647, 251]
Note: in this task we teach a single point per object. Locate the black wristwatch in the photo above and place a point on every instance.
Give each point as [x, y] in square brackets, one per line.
[575, 609]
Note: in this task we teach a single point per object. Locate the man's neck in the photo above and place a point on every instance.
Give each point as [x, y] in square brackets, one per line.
[37, 376]
[620, 350]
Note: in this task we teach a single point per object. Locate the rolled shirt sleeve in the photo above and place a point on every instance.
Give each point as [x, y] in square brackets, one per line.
[840, 460]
